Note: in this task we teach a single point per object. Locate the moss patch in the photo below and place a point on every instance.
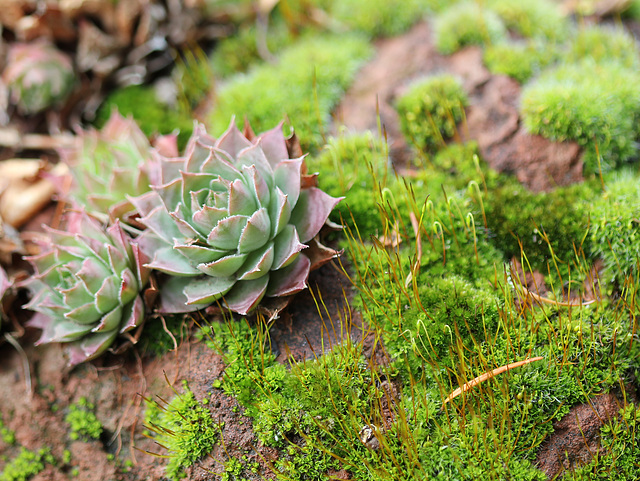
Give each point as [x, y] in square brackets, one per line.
[82, 421]
[26, 464]
[185, 428]
[467, 23]
[304, 86]
[430, 110]
[593, 104]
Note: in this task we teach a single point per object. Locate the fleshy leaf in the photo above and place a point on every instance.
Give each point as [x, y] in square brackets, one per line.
[279, 211]
[290, 279]
[246, 295]
[106, 298]
[287, 245]
[223, 267]
[274, 145]
[226, 234]
[204, 290]
[256, 233]
[287, 176]
[110, 321]
[90, 347]
[199, 254]
[311, 212]
[133, 315]
[258, 263]
[232, 140]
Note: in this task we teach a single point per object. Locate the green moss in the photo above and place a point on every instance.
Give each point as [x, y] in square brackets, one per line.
[349, 166]
[306, 83]
[430, 110]
[467, 23]
[185, 428]
[156, 340]
[520, 61]
[615, 230]
[236, 53]
[516, 215]
[7, 435]
[193, 78]
[618, 457]
[604, 44]
[593, 104]
[541, 18]
[378, 18]
[152, 116]
[82, 420]
[26, 464]
[633, 11]
[452, 315]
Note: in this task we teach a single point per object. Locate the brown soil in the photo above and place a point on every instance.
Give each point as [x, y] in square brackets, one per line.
[576, 437]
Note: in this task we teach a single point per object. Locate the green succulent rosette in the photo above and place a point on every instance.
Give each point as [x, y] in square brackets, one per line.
[38, 76]
[230, 221]
[110, 164]
[86, 287]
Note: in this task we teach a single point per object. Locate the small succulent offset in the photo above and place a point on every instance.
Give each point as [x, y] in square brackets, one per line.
[86, 287]
[110, 164]
[230, 220]
[38, 76]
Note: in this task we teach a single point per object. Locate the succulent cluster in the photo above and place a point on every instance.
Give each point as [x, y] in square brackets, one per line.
[226, 222]
[113, 163]
[86, 289]
[38, 76]
[229, 220]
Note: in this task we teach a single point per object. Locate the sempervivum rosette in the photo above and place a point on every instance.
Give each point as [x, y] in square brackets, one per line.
[38, 76]
[86, 287]
[110, 164]
[230, 221]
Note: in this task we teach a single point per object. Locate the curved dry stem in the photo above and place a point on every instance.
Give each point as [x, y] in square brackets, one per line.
[488, 375]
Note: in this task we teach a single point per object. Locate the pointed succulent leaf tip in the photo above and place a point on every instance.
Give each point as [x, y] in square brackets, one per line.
[245, 210]
[94, 296]
[274, 145]
[232, 141]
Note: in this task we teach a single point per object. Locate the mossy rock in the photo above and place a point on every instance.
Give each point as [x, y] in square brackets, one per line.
[430, 111]
[597, 105]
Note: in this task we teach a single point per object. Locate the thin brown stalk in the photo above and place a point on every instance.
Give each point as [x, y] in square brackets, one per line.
[488, 375]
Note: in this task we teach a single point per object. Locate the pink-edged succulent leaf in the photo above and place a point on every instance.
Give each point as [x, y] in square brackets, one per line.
[311, 212]
[274, 145]
[291, 279]
[246, 295]
[90, 347]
